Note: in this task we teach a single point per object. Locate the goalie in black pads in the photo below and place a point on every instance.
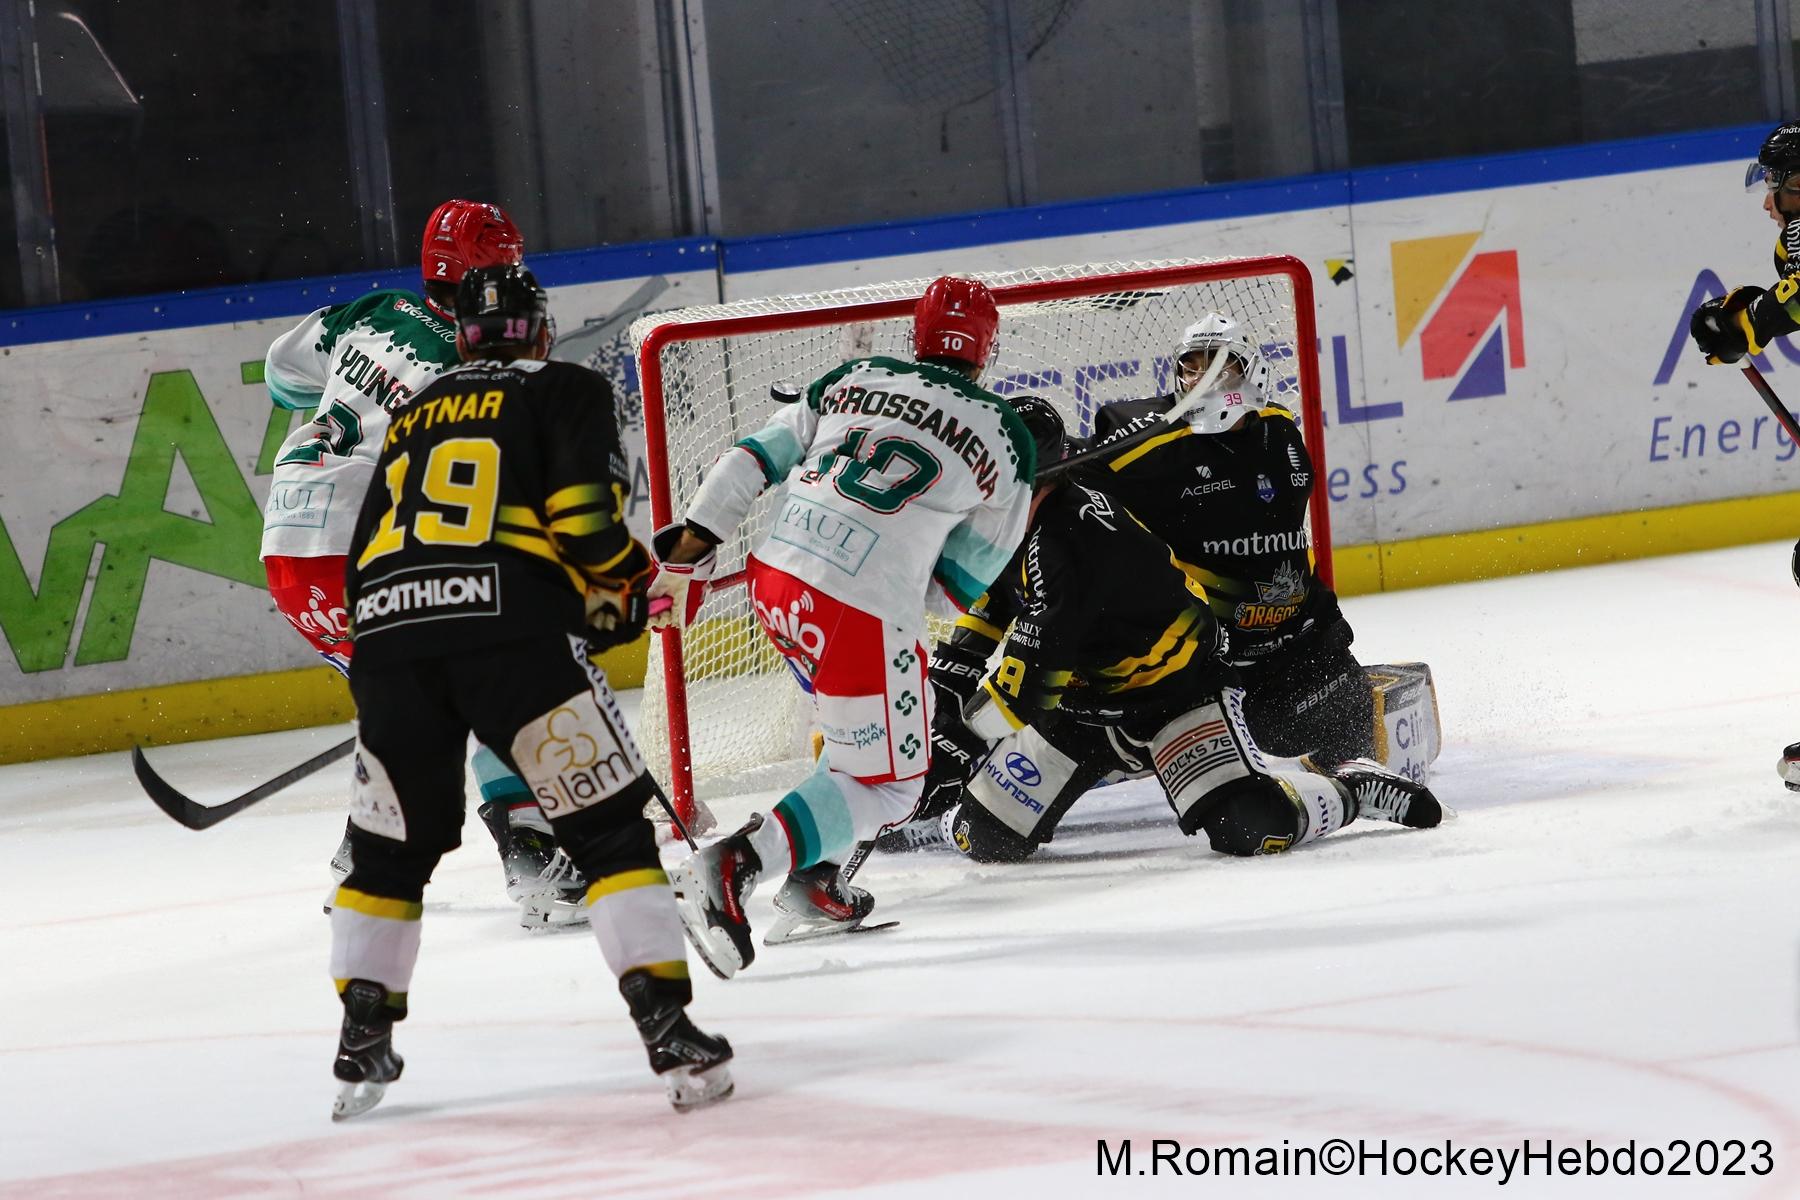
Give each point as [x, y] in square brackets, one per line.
[1227, 489]
[492, 558]
[1113, 667]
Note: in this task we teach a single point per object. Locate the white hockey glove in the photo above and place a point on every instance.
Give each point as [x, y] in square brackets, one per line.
[678, 588]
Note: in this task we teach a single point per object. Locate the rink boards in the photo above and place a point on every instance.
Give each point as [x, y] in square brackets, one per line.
[1508, 386]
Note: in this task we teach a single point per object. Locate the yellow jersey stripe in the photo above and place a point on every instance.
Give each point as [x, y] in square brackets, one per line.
[1125, 460]
[377, 906]
[972, 622]
[581, 523]
[625, 881]
[520, 515]
[573, 496]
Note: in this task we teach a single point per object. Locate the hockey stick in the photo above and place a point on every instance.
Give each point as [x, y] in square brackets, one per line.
[198, 816]
[1782, 415]
[1060, 469]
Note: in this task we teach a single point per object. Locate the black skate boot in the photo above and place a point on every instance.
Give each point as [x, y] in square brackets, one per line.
[710, 886]
[540, 878]
[1789, 766]
[816, 902]
[1380, 795]
[691, 1064]
[366, 1062]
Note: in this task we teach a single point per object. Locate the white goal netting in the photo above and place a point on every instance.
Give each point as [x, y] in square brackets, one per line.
[1080, 336]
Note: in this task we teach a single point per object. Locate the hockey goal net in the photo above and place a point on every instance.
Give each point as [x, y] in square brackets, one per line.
[720, 708]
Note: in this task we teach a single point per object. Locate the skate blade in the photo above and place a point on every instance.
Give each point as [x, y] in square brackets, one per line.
[713, 945]
[355, 1099]
[540, 916]
[789, 930]
[690, 1088]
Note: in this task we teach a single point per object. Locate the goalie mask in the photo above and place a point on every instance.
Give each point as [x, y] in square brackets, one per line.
[1238, 386]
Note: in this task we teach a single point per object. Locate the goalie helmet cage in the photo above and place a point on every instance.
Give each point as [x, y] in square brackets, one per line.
[1080, 336]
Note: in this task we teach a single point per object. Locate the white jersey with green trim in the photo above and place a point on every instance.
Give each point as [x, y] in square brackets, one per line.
[907, 488]
[356, 363]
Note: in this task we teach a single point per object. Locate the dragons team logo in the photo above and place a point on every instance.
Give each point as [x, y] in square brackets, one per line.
[1465, 310]
[1276, 601]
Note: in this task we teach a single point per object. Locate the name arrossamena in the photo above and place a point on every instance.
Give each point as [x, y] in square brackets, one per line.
[417, 594]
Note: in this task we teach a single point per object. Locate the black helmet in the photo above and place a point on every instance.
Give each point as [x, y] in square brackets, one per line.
[1046, 426]
[499, 307]
[1779, 159]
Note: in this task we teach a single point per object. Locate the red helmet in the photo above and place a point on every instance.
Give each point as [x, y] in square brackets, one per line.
[956, 318]
[466, 233]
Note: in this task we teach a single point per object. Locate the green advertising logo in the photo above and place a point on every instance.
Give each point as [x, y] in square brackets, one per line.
[135, 526]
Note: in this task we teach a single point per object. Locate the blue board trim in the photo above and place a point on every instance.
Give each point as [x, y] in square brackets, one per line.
[1365, 185]
[292, 298]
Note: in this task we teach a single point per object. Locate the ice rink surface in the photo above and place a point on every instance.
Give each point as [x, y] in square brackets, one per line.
[1604, 947]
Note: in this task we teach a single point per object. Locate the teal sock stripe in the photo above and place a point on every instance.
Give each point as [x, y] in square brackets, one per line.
[817, 821]
[496, 782]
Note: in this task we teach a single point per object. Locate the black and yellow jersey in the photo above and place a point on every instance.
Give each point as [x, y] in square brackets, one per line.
[1104, 623]
[1775, 312]
[498, 501]
[1232, 506]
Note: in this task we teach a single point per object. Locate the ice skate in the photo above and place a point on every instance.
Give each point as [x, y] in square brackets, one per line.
[710, 888]
[366, 1062]
[1789, 767]
[920, 833]
[693, 1065]
[540, 878]
[816, 902]
[1381, 795]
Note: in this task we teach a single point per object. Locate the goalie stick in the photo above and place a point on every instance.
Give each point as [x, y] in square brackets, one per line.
[199, 816]
[1064, 467]
[1782, 416]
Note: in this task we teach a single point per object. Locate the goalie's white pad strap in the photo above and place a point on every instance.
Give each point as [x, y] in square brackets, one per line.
[1407, 733]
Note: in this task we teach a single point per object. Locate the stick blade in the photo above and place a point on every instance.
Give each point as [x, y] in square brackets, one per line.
[184, 811]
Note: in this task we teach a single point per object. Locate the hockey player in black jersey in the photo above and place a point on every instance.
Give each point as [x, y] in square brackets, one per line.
[1228, 489]
[1746, 319]
[1114, 666]
[489, 563]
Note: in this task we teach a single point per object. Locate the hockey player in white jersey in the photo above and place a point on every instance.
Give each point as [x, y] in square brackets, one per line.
[907, 486]
[356, 363]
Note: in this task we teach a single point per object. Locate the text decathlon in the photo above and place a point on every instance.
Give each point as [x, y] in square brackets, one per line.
[415, 594]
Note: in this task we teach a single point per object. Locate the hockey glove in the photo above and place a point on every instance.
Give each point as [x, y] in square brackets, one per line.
[1721, 327]
[615, 616]
[682, 586]
[954, 755]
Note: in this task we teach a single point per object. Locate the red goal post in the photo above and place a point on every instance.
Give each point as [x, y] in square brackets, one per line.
[727, 712]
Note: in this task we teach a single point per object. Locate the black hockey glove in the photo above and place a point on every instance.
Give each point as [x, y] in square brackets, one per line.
[954, 754]
[1719, 326]
[616, 618]
[955, 672]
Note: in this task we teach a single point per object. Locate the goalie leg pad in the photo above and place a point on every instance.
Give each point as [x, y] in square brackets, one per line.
[1020, 783]
[1202, 752]
[1268, 814]
[984, 838]
[1408, 734]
